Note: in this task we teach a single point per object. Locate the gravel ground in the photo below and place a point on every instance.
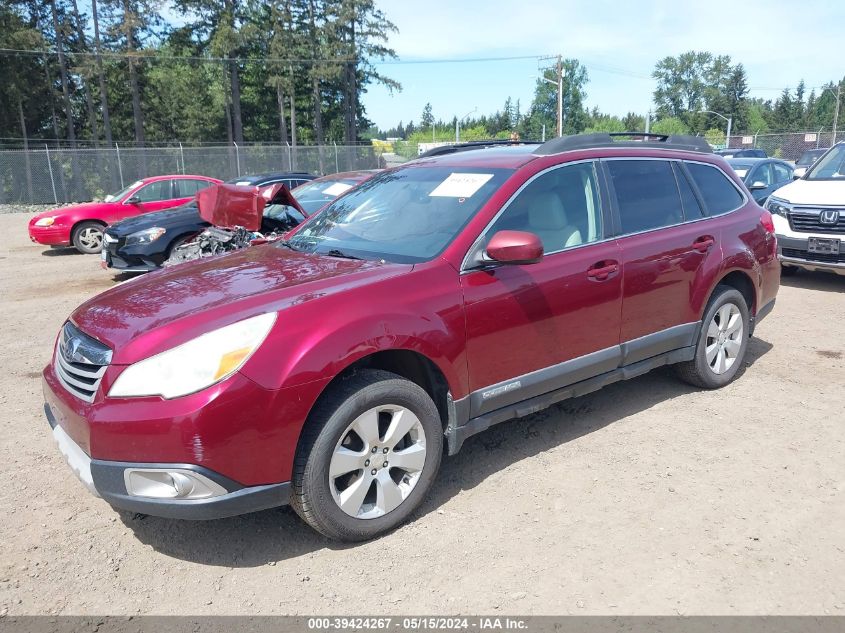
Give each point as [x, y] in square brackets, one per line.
[648, 497]
[27, 208]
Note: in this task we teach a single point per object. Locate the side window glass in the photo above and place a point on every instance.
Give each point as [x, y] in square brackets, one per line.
[646, 194]
[763, 174]
[718, 191]
[159, 190]
[782, 172]
[561, 207]
[692, 208]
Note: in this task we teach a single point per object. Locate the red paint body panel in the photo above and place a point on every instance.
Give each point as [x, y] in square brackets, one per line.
[59, 234]
[478, 328]
[524, 318]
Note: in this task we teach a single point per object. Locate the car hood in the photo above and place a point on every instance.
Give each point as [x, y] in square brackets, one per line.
[83, 207]
[184, 214]
[149, 314]
[821, 192]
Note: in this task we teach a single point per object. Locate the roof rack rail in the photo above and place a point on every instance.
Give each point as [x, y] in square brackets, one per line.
[633, 139]
[470, 145]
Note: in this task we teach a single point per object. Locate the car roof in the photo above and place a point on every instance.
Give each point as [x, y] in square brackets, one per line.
[749, 160]
[508, 156]
[357, 175]
[175, 176]
[273, 175]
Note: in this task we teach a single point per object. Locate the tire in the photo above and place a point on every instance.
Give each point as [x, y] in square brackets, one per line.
[718, 342]
[88, 237]
[334, 441]
[787, 271]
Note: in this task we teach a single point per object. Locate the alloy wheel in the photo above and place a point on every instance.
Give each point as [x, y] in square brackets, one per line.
[91, 238]
[377, 461]
[724, 338]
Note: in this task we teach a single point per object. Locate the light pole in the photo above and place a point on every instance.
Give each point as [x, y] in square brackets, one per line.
[729, 119]
[458, 124]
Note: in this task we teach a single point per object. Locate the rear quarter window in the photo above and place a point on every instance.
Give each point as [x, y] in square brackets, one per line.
[718, 191]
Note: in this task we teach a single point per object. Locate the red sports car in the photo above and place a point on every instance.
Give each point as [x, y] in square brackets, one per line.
[82, 225]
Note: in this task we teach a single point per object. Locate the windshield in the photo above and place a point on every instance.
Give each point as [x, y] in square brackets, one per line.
[314, 195]
[807, 158]
[407, 215]
[283, 213]
[117, 196]
[829, 167]
[741, 169]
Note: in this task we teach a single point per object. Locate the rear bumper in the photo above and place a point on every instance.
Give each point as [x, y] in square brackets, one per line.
[106, 479]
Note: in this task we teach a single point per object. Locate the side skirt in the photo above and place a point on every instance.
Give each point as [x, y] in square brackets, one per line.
[457, 435]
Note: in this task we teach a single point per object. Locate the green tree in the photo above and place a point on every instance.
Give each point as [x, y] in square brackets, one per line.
[670, 125]
[427, 118]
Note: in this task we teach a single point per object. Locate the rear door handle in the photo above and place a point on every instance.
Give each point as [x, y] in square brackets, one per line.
[703, 243]
[603, 270]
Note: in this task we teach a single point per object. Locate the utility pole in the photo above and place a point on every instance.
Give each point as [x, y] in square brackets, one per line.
[559, 70]
[560, 96]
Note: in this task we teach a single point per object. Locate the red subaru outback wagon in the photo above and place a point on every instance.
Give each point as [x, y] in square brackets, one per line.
[332, 370]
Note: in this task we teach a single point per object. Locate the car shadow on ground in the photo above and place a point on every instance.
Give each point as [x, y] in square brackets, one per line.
[815, 280]
[273, 535]
[60, 252]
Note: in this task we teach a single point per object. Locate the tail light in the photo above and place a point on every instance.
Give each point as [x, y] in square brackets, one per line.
[768, 223]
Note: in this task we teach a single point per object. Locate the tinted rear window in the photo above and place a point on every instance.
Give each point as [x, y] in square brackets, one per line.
[692, 208]
[716, 188]
[646, 194]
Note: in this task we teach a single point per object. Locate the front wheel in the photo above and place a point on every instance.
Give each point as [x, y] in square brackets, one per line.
[722, 341]
[368, 456]
[88, 237]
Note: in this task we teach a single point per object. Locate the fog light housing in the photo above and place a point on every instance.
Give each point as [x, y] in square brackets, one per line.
[170, 483]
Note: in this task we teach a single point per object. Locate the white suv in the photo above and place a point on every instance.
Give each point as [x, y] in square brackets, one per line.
[809, 216]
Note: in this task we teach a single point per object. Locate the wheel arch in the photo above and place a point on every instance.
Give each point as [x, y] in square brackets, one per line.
[76, 224]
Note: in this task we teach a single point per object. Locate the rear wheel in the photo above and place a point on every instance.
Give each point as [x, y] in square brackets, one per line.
[88, 237]
[722, 341]
[368, 456]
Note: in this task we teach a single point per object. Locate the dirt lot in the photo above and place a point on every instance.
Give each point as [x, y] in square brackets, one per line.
[646, 498]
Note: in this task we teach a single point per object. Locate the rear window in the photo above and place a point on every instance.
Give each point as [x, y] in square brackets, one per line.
[646, 194]
[719, 193]
[692, 207]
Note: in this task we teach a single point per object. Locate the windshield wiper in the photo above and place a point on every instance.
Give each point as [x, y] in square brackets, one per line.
[336, 252]
[288, 244]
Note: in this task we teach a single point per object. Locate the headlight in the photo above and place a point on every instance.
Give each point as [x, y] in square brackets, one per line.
[146, 236]
[45, 221]
[197, 364]
[778, 206]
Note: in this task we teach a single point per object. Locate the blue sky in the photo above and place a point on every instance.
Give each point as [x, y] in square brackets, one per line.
[779, 43]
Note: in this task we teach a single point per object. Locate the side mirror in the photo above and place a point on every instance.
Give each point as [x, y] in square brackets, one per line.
[133, 200]
[759, 184]
[515, 247]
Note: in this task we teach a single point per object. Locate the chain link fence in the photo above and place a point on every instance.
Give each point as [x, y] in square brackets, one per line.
[789, 145]
[59, 175]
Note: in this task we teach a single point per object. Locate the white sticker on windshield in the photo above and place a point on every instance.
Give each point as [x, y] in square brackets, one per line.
[460, 185]
[337, 188]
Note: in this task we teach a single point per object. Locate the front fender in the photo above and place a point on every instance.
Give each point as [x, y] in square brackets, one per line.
[319, 338]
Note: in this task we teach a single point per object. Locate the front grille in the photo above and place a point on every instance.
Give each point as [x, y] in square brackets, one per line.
[814, 257]
[80, 362]
[807, 221]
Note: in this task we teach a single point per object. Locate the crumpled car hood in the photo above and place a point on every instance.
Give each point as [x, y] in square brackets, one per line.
[228, 205]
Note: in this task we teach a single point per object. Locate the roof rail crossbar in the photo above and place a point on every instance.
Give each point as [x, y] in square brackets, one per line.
[640, 139]
[471, 145]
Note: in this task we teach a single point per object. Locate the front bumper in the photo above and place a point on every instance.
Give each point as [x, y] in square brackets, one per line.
[49, 235]
[107, 479]
[792, 249]
[137, 258]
